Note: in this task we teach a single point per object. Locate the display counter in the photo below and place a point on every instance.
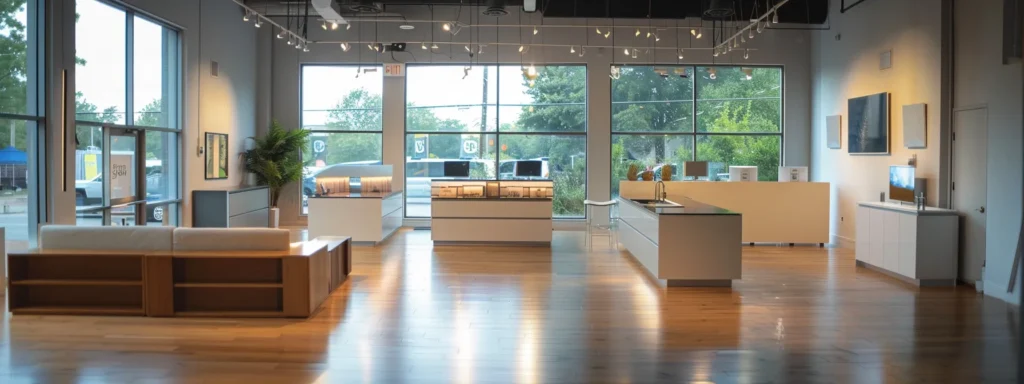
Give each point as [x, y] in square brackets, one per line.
[773, 212]
[683, 242]
[491, 211]
[355, 201]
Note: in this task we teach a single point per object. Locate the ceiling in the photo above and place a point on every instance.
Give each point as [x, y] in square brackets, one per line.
[796, 11]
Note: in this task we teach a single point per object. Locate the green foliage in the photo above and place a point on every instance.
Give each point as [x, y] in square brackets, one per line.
[275, 158]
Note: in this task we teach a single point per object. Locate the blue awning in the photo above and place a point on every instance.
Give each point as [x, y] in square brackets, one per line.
[11, 155]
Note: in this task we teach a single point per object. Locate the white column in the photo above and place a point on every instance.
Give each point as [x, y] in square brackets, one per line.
[599, 94]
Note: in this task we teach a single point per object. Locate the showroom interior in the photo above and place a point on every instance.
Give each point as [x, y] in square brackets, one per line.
[511, 190]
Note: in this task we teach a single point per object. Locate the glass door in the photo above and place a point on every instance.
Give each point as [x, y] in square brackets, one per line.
[124, 178]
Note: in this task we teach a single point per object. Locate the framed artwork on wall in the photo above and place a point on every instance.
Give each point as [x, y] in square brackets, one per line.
[915, 126]
[833, 132]
[216, 156]
[868, 130]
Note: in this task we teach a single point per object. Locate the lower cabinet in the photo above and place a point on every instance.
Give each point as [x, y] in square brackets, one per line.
[918, 246]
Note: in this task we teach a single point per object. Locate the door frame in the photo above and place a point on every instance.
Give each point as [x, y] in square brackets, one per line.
[952, 170]
[138, 200]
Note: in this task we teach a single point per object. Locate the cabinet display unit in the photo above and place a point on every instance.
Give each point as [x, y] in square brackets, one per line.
[77, 283]
[919, 247]
[231, 208]
[491, 211]
[356, 201]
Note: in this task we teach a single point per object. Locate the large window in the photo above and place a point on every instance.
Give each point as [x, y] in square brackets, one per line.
[723, 115]
[21, 122]
[341, 106]
[128, 83]
[493, 116]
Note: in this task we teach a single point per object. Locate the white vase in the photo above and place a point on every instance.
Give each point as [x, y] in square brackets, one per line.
[275, 217]
[250, 179]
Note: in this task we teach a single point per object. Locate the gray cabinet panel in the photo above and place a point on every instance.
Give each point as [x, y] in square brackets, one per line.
[255, 219]
[248, 207]
[246, 201]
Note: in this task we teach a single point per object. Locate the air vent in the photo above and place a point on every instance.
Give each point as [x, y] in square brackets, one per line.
[720, 10]
[365, 6]
[495, 8]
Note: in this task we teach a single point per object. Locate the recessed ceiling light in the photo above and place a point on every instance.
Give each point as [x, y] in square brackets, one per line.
[407, 27]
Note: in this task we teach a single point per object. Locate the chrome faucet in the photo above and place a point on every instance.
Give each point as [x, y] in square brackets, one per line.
[659, 191]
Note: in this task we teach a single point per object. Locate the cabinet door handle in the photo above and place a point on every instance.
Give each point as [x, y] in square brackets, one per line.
[982, 209]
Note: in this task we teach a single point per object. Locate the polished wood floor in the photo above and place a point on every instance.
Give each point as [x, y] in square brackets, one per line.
[416, 313]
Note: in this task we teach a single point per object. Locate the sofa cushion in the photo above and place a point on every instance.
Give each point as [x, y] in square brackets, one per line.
[231, 239]
[72, 237]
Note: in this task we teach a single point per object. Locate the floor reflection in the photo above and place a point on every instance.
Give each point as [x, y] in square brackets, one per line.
[412, 312]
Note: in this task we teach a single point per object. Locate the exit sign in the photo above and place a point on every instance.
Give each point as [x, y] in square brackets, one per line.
[394, 69]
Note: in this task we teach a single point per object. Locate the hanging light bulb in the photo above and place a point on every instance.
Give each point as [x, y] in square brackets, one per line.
[423, 46]
[344, 47]
[743, 39]
[760, 27]
[748, 72]
[446, 27]
[369, 46]
[751, 35]
[637, 32]
[281, 34]
[334, 25]
[290, 40]
[572, 49]
[615, 73]
[246, 17]
[535, 31]
[775, 17]
[716, 52]
[531, 83]
[323, 25]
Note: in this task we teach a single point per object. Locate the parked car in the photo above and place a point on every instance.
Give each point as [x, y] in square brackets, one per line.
[507, 170]
[88, 192]
[420, 172]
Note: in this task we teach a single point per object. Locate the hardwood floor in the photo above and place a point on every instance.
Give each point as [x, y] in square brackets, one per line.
[412, 312]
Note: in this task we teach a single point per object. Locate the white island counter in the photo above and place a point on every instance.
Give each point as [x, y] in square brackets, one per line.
[480, 212]
[684, 242]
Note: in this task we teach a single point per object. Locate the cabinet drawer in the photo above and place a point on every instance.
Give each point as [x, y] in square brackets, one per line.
[255, 219]
[248, 201]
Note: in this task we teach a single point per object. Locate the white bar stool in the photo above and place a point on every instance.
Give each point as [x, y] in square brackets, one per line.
[600, 229]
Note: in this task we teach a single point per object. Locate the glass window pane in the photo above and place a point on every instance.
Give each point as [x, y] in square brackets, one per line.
[739, 99]
[18, 89]
[16, 183]
[554, 101]
[90, 218]
[721, 151]
[88, 167]
[100, 72]
[155, 96]
[335, 98]
[326, 149]
[121, 167]
[425, 157]
[649, 151]
[564, 160]
[653, 99]
[161, 166]
[451, 85]
[162, 215]
[451, 119]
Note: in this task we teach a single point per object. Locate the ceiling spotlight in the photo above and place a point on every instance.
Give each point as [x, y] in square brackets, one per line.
[743, 39]
[259, 23]
[423, 46]
[305, 48]
[607, 34]
[775, 17]
[281, 34]
[648, 34]
[531, 72]
[697, 33]
[298, 45]
[535, 31]
[634, 53]
[572, 49]
[598, 29]
[348, 26]
[656, 38]
[323, 25]
[716, 52]
[344, 47]
[334, 25]
[447, 27]
[615, 73]
[433, 46]
[712, 73]
[290, 40]
[751, 35]
[637, 32]
[522, 48]
[625, 51]
[369, 46]
[746, 55]
[760, 27]
[583, 51]
[749, 72]
[480, 49]
[680, 54]
[467, 49]
[246, 17]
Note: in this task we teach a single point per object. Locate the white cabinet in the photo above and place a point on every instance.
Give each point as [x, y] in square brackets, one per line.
[919, 246]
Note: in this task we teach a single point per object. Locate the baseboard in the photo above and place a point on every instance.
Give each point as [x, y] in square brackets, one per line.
[843, 242]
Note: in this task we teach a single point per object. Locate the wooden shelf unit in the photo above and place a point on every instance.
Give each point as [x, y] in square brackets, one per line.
[77, 283]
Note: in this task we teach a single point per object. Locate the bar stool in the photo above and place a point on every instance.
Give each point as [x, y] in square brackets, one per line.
[600, 229]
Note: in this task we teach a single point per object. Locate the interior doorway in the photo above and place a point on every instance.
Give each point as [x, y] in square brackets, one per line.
[969, 187]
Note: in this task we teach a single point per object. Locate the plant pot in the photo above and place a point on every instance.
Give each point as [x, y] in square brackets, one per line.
[275, 217]
[250, 179]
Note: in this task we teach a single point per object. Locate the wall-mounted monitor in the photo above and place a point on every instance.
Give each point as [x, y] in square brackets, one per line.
[529, 168]
[901, 183]
[868, 129]
[456, 169]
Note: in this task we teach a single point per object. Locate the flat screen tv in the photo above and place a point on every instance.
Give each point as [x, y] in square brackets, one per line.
[529, 168]
[868, 131]
[456, 169]
[901, 183]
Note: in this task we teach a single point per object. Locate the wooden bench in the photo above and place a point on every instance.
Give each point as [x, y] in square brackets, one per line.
[290, 283]
[340, 250]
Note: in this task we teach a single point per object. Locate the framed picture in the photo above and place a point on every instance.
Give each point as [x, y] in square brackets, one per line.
[216, 156]
[868, 128]
[833, 131]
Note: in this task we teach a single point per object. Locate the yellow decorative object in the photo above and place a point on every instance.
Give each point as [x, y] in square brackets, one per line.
[666, 173]
[631, 173]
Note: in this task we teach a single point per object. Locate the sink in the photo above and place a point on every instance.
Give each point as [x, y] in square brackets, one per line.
[656, 203]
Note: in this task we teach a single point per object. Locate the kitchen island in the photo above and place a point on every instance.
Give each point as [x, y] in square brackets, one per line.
[683, 242]
[482, 212]
[366, 217]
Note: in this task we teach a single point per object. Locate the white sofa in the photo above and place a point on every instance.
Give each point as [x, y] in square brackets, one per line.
[231, 239]
[162, 239]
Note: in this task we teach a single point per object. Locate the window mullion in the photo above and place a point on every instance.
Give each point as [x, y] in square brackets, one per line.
[129, 65]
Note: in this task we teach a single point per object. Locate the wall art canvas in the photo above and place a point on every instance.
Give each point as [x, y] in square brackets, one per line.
[833, 132]
[216, 156]
[868, 128]
[915, 126]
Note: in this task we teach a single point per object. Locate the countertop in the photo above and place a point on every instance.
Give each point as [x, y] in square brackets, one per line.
[358, 195]
[492, 198]
[688, 207]
[908, 208]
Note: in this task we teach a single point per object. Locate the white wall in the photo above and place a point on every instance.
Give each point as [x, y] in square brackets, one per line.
[846, 65]
[790, 49]
[212, 31]
[980, 78]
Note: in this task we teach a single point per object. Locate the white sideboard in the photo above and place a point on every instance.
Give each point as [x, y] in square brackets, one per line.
[919, 247]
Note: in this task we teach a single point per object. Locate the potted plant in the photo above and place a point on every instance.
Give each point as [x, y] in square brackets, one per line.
[276, 161]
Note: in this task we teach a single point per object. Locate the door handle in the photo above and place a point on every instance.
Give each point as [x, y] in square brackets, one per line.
[982, 209]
